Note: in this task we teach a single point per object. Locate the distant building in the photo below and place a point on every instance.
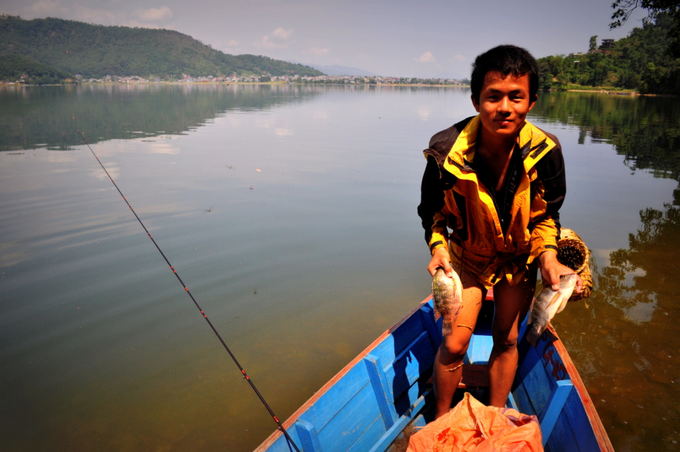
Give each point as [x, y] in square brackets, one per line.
[607, 44]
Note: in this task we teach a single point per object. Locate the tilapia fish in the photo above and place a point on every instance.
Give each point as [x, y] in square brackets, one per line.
[447, 292]
[548, 303]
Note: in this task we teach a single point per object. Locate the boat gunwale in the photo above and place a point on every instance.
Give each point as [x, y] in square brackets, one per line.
[593, 416]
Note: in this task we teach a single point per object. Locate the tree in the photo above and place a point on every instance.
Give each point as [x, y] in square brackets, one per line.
[592, 45]
[624, 8]
[640, 61]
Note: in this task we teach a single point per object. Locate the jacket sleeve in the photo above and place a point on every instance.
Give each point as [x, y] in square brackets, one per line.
[431, 207]
[545, 230]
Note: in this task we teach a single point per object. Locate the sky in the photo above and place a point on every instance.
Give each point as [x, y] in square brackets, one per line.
[427, 38]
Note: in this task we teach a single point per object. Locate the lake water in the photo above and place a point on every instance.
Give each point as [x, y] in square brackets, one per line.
[290, 212]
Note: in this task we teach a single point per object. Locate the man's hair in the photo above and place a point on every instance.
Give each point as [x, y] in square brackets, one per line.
[506, 59]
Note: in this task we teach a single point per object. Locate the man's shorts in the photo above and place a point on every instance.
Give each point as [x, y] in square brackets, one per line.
[488, 270]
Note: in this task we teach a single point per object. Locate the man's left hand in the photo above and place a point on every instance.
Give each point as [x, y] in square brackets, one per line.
[552, 269]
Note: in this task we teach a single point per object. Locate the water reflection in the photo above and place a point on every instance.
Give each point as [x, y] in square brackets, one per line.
[645, 130]
[624, 338]
[53, 117]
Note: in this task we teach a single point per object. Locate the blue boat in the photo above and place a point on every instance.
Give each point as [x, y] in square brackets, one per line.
[387, 387]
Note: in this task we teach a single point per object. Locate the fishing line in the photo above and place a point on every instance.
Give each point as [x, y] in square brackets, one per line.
[198, 306]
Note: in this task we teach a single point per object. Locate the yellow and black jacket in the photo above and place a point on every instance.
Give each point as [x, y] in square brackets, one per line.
[492, 234]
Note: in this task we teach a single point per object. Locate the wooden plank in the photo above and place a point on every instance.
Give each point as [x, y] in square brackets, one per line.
[527, 361]
[309, 437]
[430, 325]
[350, 423]
[380, 389]
[563, 439]
[552, 362]
[410, 367]
[539, 388]
[327, 407]
[575, 419]
[479, 350]
[415, 392]
[554, 408]
[398, 426]
[409, 331]
[523, 400]
[528, 354]
[364, 442]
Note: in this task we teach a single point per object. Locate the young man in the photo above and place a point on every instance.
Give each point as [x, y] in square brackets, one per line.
[490, 197]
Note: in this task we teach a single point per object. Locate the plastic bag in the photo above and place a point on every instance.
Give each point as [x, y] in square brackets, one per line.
[473, 426]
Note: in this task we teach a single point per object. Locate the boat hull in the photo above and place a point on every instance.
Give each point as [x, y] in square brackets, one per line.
[367, 405]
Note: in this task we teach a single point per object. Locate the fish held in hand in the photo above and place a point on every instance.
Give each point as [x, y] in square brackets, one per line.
[447, 293]
[548, 303]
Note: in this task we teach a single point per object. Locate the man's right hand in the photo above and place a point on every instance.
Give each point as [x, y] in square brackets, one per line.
[440, 259]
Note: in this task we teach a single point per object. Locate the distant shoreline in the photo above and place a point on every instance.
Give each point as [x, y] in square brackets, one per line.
[584, 89]
[275, 82]
[598, 90]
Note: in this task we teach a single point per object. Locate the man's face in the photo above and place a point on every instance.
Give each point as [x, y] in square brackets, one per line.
[503, 104]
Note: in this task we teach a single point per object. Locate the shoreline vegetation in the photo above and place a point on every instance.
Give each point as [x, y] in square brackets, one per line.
[324, 80]
[645, 61]
[264, 80]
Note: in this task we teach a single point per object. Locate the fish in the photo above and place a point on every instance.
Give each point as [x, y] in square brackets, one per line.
[447, 292]
[548, 303]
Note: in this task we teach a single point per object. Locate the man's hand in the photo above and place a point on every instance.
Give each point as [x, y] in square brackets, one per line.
[552, 269]
[440, 258]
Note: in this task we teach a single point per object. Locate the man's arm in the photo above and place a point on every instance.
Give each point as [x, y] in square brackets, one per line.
[433, 219]
[546, 231]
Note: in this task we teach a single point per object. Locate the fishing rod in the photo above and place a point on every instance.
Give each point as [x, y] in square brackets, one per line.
[198, 306]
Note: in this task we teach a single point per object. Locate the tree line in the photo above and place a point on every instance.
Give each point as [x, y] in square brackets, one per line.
[647, 60]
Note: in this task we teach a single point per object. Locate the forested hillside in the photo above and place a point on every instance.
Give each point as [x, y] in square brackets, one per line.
[642, 61]
[54, 48]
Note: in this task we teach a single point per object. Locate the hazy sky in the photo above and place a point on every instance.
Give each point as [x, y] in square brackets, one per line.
[406, 38]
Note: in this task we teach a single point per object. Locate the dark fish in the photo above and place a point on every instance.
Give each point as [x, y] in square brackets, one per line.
[447, 292]
[548, 303]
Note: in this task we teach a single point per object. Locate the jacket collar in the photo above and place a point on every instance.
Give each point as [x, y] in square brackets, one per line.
[533, 143]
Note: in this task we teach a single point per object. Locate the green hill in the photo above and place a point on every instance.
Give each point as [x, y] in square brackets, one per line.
[52, 48]
[644, 61]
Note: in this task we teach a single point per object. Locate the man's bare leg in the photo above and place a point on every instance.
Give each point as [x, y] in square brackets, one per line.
[511, 302]
[448, 364]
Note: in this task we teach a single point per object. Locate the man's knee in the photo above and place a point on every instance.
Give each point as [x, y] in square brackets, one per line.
[505, 342]
[454, 348]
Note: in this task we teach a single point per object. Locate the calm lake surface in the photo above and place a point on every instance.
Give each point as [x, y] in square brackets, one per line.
[290, 212]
